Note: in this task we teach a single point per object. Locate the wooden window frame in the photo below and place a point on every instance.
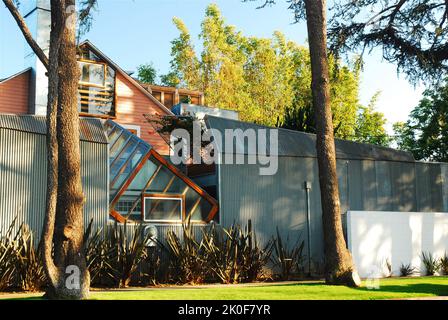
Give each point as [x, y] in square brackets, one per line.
[114, 94]
[117, 216]
[89, 84]
[165, 196]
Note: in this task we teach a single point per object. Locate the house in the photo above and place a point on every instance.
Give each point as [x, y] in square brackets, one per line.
[139, 176]
[127, 175]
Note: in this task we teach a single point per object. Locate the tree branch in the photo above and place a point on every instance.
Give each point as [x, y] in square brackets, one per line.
[26, 32]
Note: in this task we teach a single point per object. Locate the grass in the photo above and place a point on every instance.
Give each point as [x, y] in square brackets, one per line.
[392, 288]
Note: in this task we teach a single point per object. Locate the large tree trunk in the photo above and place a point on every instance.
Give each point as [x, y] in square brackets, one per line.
[52, 153]
[63, 229]
[70, 278]
[339, 266]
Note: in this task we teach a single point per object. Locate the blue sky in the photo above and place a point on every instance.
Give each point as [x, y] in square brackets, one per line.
[132, 32]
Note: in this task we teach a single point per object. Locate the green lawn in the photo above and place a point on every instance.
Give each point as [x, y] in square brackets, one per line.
[389, 289]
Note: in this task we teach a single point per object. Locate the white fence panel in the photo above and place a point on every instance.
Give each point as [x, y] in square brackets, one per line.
[378, 238]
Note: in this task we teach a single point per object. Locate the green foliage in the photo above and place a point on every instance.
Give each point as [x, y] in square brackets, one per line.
[227, 255]
[288, 260]
[113, 257]
[411, 33]
[425, 134]
[20, 263]
[430, 262]
[187, 262]
[444, 264]
[147, 73]
[267, 80]
[407, 270]
[369, 127]
[184, 64]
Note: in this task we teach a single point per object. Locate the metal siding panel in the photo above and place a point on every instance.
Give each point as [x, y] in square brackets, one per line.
[445, 186]
[342, 169]
[355, 185]
[90, 129]
[423, 187]
[369, 183]
[293, 143]
[383, 185]
[23, 176]
[273, 201]
[403, 190]
[435, 174]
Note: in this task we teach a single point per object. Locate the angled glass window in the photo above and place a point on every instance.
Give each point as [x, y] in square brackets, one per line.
[96, 90]
[145, 187]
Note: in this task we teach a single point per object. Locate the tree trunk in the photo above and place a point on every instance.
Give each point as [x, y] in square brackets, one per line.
[339, 268]
[63, 229]
[52, 153]
[72, 279]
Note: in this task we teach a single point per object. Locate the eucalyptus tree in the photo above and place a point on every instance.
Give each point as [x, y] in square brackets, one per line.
[63, 228]
[339, 266]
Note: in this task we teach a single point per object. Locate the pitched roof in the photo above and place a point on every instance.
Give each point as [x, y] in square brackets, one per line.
[91, 129]
[126, 75]
[299, 144]
[15, 75]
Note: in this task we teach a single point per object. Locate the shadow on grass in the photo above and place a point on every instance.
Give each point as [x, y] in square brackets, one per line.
[435, 289]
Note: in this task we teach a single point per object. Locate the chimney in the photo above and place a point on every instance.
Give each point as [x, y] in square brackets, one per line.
[37, 14]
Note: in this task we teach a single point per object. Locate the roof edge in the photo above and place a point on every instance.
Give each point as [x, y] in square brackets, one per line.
[15, 75]
[311, 135]
[127, 76]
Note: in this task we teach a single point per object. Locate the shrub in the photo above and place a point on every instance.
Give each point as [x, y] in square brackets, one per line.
[289, 260]
[407, 270]
[113, 257]
[187, 264]
[444, 264]
[431, 264]
[21, 265]
[233, 255]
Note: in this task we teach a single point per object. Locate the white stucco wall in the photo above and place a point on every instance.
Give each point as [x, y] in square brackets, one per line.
[401, 237]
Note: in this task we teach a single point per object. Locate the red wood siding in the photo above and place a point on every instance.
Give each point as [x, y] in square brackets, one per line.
[131, 104]
[14, 94]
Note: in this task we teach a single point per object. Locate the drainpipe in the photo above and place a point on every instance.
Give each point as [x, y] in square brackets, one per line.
[308, 222]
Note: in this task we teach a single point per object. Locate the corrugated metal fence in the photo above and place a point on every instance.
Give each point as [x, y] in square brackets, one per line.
[23, 171]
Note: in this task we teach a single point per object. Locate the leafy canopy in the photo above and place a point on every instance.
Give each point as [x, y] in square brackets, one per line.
[425, 134]
[411, 33]
[267, 80]
[146, 73]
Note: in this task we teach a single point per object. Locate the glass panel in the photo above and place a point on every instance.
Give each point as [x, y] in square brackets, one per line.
[129, 166]
[162, 209]
[108, 128]
[113, 135]
[142, 178]
[191, 198]
[118, 163]
[96, 91]
[118, 146]
[86, 54]
[92, 74]
[163, 179]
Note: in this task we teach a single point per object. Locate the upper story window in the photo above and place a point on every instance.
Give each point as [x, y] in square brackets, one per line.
[96, 86]
[93, 74]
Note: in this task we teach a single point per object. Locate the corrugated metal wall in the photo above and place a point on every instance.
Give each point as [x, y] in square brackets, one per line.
[445, 186]
[23, 179]
[280, 200]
